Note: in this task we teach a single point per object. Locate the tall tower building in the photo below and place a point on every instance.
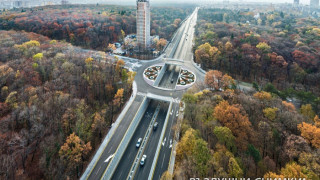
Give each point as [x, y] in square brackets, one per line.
[143, 23]
[296, 2]
[314, 4]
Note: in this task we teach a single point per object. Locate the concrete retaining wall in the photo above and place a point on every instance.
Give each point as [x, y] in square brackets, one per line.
[160, 75]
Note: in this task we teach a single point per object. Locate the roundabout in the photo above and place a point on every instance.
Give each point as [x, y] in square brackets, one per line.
[169, 77]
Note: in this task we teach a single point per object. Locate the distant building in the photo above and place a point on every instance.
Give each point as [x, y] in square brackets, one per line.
[314, 4]
[64, 2]
[143, 23]
[296, 2]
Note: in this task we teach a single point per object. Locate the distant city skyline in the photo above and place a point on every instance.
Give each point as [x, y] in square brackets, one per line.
[305, 2]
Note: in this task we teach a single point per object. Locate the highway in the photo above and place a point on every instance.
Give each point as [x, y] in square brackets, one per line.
[185, 52]
[151, 147]
[164, 156]
[180, 48]
[123, 168]
[170, 78]
[111, 147]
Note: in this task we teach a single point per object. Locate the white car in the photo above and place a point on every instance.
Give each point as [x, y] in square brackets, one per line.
[138, 142]
[143, 160]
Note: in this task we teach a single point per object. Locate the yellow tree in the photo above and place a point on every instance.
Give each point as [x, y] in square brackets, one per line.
[228, 46]
[186, 145]
[262, 95]
[311, 133]
[73, 151]
[317, 121]
[307, 111]
[291, 170]
[118, 98]
[161, 44]
[131, 76]
[264, 47]
[119, 66]
[38, 56]
[270, 113]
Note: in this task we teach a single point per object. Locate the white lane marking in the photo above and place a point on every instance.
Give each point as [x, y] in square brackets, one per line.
[98, 170]
[164, 141]
[110, 149]
[108, 159]
[163, 160]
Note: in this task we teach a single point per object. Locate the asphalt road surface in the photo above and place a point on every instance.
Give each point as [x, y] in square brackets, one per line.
[169, 79]
[164, 156]
[180, 48]
[130, 153]
[151, 148]
[115, 140]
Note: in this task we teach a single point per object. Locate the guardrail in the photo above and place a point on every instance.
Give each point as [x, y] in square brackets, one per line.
[175, 141]
[106, 140]
[134, 166]
[155, 159]
[125, 141]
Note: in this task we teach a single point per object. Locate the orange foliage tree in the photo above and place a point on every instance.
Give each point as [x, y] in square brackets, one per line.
[213, 79]
[311, 133]
[237, 121]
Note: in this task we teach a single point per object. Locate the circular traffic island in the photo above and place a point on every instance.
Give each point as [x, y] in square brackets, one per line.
[186, 79]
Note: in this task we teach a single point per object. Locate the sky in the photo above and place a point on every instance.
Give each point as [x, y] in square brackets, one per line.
[192, 1]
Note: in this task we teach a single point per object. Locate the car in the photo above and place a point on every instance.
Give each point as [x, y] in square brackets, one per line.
[177, 114]
[138, 142]
[171, 81]
[155, 126]
[143, 160]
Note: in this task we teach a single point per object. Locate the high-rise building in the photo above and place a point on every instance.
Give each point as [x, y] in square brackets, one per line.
[314, 4]
[64, 2]
[143, 23]
[296, 2]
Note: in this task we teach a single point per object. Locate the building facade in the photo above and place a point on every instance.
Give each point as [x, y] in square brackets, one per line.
[314, 4]
[143, 23]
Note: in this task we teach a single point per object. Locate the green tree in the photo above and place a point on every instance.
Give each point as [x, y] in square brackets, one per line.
[189, 98]
[225, 136]
[202, 156]
[252, 151]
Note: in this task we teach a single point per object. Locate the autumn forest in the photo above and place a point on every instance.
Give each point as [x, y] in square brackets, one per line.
[60, 91]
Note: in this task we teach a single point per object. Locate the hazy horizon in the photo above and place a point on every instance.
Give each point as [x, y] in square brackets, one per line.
[305, 2]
